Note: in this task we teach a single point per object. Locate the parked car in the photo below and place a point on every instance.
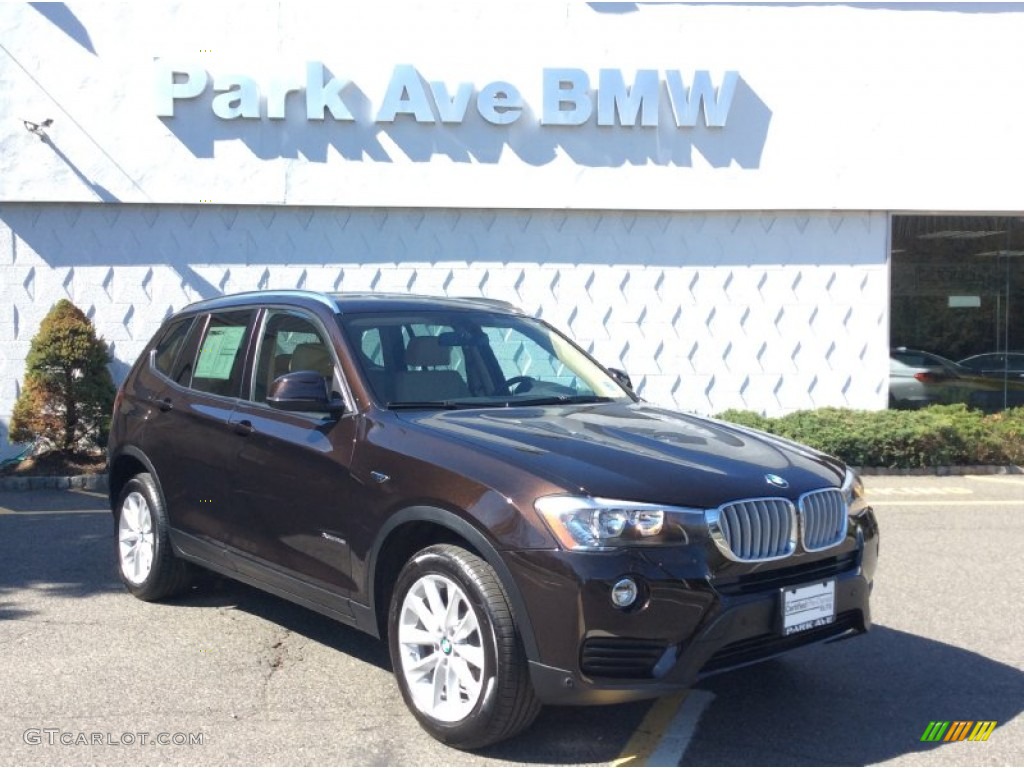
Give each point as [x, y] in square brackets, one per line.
[918, 378]
[463, 480]
[996, 364]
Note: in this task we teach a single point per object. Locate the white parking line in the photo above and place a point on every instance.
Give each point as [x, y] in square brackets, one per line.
[5, 511]
[918, 491]
[681, 730]
[666, 730]
[883, 503]
[84, 492]
[1011, 480]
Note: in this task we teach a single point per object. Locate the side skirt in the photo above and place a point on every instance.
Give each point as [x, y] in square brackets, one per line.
[269, 578]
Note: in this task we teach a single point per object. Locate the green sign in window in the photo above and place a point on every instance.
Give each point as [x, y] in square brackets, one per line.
[220, 348]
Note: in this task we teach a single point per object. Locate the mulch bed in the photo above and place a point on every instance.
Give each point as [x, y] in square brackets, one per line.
[57, 464]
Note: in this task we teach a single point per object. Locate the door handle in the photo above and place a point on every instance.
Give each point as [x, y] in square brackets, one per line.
[164, 405]
[243, 428]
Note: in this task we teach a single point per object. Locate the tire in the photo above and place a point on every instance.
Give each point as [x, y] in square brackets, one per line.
[450, 622]
[145, 559]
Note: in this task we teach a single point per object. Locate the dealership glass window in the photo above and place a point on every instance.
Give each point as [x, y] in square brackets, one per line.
[957, 293]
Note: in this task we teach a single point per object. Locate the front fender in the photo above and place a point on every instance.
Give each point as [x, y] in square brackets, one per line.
[450, 521]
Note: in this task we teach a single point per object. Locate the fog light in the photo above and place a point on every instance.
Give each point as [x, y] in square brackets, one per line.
[624, 593]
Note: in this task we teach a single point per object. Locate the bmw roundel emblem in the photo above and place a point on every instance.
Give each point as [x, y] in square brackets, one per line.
[778, 482]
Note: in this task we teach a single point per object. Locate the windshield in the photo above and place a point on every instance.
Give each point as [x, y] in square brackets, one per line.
[470, 359]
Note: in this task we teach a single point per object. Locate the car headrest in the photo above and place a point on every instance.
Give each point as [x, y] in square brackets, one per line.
[425, 350]
[312, 357]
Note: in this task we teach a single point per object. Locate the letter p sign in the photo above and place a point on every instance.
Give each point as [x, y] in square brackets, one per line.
[173, 82]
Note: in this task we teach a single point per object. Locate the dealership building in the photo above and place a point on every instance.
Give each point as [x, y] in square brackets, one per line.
[743, 205]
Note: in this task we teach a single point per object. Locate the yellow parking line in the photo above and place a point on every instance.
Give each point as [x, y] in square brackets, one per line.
[666, 731]
[647, 736]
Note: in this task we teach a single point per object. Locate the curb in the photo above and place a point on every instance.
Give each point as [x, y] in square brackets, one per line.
[982, 469]
[84, 482]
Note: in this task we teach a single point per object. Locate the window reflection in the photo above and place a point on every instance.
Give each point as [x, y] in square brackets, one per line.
[957, 314]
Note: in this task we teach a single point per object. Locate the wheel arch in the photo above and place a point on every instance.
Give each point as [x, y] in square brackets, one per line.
[130, 462]
[418, 527]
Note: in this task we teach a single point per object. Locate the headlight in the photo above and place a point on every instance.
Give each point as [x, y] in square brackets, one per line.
[853, 492]
[595, 525]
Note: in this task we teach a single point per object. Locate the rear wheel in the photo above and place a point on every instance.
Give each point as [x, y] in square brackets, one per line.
[146, 562]
[456, 650]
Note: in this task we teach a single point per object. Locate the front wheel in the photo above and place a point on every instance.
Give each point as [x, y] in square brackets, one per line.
[456, 650]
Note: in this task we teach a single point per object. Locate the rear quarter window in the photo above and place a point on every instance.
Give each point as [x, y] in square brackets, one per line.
[170, 345]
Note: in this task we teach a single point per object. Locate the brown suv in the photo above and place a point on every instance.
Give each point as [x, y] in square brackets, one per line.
[464, 480]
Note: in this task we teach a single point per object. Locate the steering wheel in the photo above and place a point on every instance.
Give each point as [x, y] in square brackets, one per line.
[519, 384]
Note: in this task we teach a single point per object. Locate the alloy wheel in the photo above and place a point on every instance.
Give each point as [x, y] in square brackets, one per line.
[441, 648]
[135, 538]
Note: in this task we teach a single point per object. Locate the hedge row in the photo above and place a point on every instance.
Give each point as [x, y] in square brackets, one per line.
[941, 435]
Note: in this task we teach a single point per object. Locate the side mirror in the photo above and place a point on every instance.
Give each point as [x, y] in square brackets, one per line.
[622, 377]
[303, 391]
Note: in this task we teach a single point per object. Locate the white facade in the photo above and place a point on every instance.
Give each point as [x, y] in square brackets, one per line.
[738, 262]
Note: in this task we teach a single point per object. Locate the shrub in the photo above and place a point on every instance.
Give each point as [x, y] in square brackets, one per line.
[68, 393]
[941, 435]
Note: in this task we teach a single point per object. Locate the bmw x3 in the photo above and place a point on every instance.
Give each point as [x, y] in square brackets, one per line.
[462, 480]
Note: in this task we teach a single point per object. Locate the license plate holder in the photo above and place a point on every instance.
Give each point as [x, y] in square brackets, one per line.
[808, 606]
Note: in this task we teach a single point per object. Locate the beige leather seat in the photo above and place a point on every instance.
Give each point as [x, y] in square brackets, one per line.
[312, 357]
[424, 352]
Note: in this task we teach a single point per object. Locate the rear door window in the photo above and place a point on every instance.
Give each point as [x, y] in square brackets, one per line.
[220, 362]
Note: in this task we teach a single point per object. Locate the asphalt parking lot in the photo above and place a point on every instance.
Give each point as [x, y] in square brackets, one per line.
[229, 675]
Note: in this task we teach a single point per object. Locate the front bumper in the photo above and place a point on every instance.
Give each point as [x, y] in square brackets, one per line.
[695, 617]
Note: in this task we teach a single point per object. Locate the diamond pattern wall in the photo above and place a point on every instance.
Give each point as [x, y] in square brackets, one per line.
[707, 311]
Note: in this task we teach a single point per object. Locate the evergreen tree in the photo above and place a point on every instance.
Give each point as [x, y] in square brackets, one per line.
[68, 393]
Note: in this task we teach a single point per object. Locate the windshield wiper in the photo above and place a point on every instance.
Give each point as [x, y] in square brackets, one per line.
[448, 405]
[509, 402]
[559, 400]
[590, 399]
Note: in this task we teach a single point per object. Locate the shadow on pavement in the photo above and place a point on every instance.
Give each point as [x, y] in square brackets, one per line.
[858, 702]
[212, 590]
[560, 734]
[58, 543]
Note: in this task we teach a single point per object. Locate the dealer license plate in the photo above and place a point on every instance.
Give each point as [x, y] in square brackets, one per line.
[807, 607]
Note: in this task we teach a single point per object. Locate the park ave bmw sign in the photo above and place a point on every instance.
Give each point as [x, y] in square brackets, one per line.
[571, 97]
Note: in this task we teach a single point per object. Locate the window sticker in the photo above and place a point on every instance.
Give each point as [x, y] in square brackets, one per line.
[220, 348]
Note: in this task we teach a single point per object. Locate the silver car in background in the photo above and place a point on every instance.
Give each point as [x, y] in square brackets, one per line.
[918, 379]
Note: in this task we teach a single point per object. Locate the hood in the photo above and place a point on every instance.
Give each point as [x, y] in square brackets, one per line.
[635, 452]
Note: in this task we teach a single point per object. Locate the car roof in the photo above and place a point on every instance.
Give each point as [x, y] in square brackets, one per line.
[993, 354]
[352, 303]
[918, 358]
